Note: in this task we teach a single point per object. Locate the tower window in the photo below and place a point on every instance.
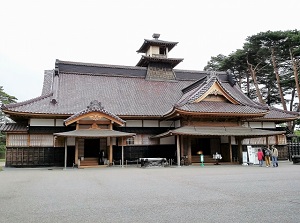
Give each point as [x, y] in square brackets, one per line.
[162, 51]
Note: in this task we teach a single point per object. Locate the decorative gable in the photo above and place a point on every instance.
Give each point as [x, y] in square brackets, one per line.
[216, 93]
[93, 117]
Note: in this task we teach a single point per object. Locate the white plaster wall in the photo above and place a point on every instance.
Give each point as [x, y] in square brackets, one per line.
[59, 122]
[41, 122]
[134, 123]
[269, 125]
[255, 124]
[150, 123]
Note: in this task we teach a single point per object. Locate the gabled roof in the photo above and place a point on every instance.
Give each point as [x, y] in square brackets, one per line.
[229, 101]
[94, 106]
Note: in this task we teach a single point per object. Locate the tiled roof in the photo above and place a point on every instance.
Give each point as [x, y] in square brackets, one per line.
[13, 127]
[219, 131]
[221, 107]
[48, 78]
[187, 101]
[122, 96]
[124, 91]
[275, 114]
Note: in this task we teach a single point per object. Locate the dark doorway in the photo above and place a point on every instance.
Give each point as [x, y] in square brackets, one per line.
[70, 156]
[91, 147]
[200, 144]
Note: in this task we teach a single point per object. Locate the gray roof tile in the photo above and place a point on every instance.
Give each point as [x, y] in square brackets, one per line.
[124, 91]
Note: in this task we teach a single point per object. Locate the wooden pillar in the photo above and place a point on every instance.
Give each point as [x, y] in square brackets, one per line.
[230, 148]
[267, 141]
[110, 150]
[240, 149]
[76, 151]
[189, 149]
[178, 150]
[182, 147]
[66, 153]
[122, 153]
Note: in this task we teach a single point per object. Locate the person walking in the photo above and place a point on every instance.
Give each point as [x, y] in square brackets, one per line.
[274, 156]
[267, 156]
[260, 157]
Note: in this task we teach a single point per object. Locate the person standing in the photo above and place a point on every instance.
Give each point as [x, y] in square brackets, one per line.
[260, 157]
[267, 157]
[274, 156]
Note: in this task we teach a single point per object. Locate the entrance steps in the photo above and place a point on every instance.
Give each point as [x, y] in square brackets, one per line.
[89, 161]
[207, 159]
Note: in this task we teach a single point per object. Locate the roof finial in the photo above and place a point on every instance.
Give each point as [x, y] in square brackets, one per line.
[156, 36]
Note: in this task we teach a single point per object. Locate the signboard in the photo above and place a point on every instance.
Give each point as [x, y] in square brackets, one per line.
[245, 158]
[252, 154]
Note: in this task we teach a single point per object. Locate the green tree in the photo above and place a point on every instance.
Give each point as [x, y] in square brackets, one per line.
[267, 67]
[4, 99]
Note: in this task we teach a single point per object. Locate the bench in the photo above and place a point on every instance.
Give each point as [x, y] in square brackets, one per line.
[149, 162]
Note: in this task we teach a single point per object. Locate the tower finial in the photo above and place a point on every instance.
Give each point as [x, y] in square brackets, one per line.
[156, 35]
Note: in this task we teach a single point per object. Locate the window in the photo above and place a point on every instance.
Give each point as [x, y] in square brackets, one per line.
[162, 51]
[130, 141]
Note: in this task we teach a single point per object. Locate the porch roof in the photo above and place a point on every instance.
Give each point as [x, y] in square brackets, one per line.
[244, 132]
[94, 133]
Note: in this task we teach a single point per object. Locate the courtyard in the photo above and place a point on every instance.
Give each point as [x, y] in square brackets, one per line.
[213, 193]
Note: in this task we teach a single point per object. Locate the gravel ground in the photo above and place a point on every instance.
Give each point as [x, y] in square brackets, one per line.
[224, 193]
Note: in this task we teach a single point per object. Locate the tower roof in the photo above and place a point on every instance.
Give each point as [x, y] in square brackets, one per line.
[155, 42]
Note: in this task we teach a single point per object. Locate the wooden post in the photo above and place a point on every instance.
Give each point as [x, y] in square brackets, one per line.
[76, 151]
[66, 153]
[182, 147]
[110, 150]
[122, 154]
[230, 148]
[240, 149]
[178, 151]
[189, 149]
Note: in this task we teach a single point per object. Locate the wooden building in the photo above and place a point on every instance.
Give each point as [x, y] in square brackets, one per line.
[132, 112]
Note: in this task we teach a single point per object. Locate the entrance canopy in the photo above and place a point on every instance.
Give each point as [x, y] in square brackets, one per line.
[219, 131]
[94, 133]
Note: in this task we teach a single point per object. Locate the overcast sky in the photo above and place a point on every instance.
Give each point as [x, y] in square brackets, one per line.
[36, 33]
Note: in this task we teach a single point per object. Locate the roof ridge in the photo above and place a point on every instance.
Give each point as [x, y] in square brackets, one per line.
[107, 75]
[100, 65]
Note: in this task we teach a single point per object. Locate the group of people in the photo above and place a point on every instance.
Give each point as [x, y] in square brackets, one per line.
[268, 154]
